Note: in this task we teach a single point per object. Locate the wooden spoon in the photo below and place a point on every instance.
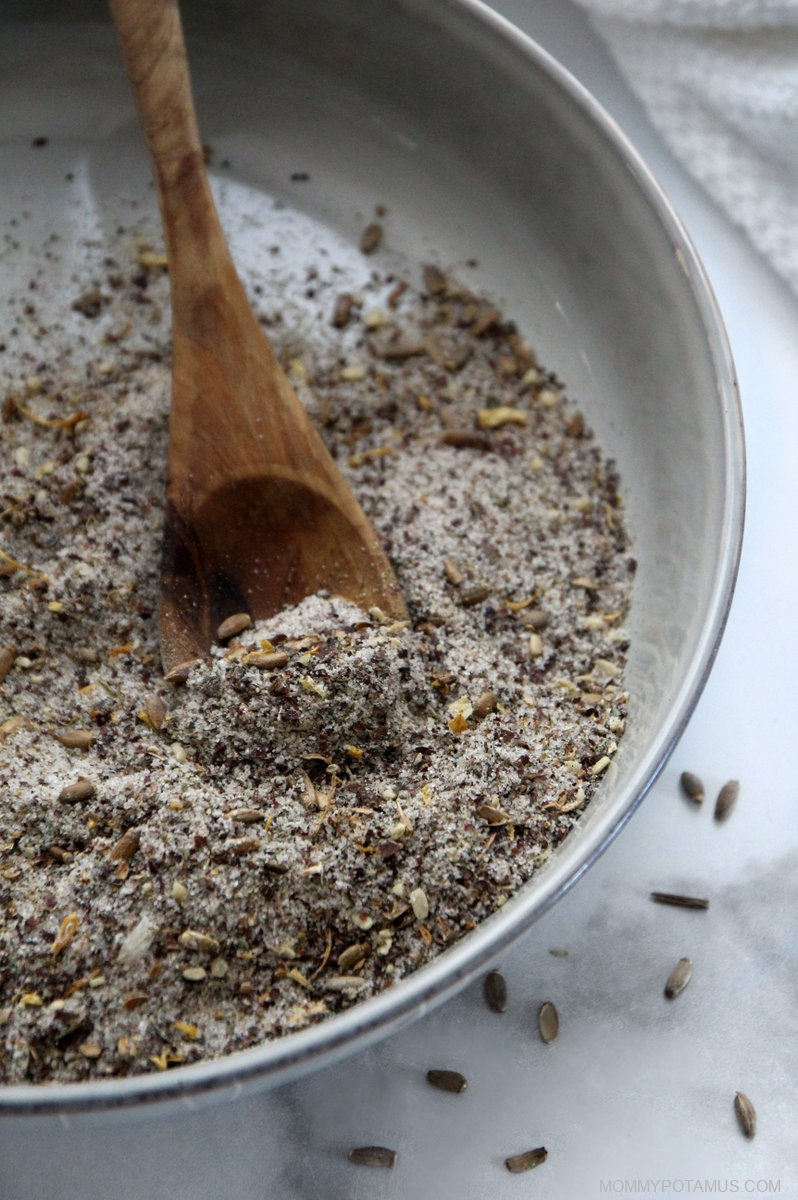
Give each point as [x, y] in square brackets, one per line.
[258, 516]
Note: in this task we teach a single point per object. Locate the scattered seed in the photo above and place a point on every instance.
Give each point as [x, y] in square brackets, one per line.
[137, 942]
[8, 655]
[495, 988]
[465, 439]
[535, 618]
[247, 816]
[267, 660]
[434, 280]
[493, 816]
[679, 901]
[134, 1000]
[746, 1114]
[89, 303]
[342, 311]
[535, 645]
[219, 968]
[447, 1081]
[179, 674]
[486, 703]
[232, 625]
[474, 596]
[77, 739]
[66, 932]
[194, 974]
[372, 1156]
[192, 939]
[352, 956]
[179, 892]
[274, 868]
[692, 787]
[124, 849]
[495, 418]
[679, 978]
[370, 238]
[244, 845]
[419, 903]
[154, 711]
[344, 983]
[517, 1163]
[727, 798]
[548, 1021]
[82, 789]
[453, 572]
[90, 1049]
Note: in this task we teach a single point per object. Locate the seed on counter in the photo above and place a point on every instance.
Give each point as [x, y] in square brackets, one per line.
[232, 625]
[77, 739]
[372, 1156]
[548, 1021]
[127, 845]
[727, 798]
[679, 978]
[746, 1114]
[447, 1081]
[267, 660]
[517, 1163]
[535, 645]
[678, 901]
[219, 968]
[692, 787]
[179, 892]
[81, 789]
[495, 989]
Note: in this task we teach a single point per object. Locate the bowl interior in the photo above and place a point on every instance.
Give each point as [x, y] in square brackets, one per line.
[481, 149]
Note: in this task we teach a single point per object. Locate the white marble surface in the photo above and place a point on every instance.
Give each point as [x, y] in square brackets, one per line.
[635, 1087]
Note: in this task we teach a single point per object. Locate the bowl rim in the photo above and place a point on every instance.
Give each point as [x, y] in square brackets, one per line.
[281, 1060]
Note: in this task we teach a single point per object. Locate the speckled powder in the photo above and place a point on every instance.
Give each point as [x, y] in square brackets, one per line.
[265, 847]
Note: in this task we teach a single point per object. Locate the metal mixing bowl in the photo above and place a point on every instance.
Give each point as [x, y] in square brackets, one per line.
[481, 146]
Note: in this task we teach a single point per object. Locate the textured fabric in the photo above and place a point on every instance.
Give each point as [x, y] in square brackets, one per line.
[720, 80]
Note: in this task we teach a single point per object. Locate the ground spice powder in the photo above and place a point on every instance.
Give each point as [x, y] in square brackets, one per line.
[186, 871]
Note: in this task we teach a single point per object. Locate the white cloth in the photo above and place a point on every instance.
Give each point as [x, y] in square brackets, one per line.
[719, 79]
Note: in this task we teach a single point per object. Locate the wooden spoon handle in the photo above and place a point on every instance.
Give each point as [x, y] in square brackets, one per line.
[151, 34]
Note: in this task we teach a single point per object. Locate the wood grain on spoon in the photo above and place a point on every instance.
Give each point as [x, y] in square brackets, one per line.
[258, 516]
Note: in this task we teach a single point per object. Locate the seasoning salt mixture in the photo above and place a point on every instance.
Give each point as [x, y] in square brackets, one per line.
[186, 871]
